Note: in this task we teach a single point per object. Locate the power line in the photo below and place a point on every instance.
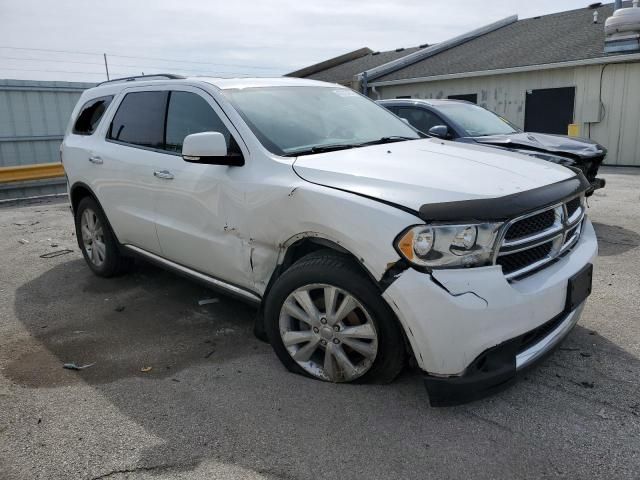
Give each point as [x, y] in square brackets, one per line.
[47, 71]
[140, 57]
[137, 67]
[49, 60]
[99, 73]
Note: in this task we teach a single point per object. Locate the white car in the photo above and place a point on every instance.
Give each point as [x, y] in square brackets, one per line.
[361, 241]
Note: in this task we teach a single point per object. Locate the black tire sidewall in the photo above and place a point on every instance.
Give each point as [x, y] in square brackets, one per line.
[112, 262]
[340, 271]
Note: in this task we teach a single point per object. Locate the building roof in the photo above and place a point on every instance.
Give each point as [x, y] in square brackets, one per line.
[555, 38]
[343, 72]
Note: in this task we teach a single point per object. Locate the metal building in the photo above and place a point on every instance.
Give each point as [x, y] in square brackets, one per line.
[33, 117]
[544, 74]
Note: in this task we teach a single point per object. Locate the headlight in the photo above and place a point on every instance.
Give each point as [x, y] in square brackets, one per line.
[448, 246]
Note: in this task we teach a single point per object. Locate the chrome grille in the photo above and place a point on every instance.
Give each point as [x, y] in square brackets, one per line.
[573, 205]
[531, 225]
[520, 260]
[532, 241]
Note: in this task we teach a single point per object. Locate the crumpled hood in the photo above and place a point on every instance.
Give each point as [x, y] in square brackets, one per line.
[419, 172]
[581, 147]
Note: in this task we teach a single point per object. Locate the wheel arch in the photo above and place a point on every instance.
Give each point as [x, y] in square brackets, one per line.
[80, 190]
[77, 192]
[302, 245]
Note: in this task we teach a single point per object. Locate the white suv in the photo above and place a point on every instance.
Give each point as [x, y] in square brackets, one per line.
[362, 242]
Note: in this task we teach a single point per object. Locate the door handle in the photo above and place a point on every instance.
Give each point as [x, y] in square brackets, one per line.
[95, 159]
[166, 174]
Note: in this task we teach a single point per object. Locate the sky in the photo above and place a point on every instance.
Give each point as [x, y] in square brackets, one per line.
[66, 39]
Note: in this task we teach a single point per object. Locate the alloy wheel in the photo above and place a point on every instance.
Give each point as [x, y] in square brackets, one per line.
[93, 237]
[328, 332]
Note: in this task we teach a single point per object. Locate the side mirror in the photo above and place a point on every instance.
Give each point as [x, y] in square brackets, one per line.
[440, 131]
[209, 148]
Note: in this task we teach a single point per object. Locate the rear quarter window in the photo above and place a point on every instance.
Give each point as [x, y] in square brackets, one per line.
[90, 115]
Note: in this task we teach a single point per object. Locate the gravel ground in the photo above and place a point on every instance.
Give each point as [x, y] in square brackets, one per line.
[218, 404]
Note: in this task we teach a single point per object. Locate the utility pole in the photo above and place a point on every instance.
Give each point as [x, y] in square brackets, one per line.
[106, 67]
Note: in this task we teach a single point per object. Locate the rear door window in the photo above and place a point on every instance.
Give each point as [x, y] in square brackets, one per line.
[90, 115]
[140, 119]
[420, 118]
[190, 113]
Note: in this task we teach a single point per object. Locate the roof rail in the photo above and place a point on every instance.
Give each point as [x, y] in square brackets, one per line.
[154, 76]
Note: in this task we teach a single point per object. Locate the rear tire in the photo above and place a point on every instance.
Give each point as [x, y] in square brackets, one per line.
[97, 241]
[348, 333]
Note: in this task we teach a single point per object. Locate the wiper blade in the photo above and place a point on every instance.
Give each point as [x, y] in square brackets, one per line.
[391, 139]
[322, 149]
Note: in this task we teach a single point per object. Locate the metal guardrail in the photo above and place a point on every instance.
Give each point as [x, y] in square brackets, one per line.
[23, 173]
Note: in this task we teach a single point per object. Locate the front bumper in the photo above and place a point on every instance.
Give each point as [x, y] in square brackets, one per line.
[496, 368]
[452, 317]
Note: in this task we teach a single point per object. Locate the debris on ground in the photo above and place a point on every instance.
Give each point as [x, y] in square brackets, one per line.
[569, 349]
[585, 354]
[209, 354]
[23, 241]
[225, 331]
[73, 366]
[119, 308]
[57, 253]
[207, 301]
[587, 384]
[601, 414]
[146, 369]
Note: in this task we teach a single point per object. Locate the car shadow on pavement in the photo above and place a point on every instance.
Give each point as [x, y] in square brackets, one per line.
[216, 393]
[615, 240]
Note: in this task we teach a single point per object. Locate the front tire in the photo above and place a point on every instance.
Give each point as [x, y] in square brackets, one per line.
[325, 319]
[97, 241]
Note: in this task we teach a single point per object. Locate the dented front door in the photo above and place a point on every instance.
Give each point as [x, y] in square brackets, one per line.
[196, 221]
[199, 208]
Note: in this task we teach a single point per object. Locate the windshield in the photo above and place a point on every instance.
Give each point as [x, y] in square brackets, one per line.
[477, 121]
[292, 120]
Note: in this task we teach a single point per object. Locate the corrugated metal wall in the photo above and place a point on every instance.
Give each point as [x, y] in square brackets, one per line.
[33, 117]
[619, 125]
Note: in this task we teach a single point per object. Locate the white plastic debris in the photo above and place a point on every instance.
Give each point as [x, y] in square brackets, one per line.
[207, 301]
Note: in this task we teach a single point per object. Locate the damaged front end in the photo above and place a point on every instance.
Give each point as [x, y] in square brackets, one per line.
[575, 153]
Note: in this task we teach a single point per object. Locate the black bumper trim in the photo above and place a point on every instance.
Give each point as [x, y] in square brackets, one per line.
[494, 369]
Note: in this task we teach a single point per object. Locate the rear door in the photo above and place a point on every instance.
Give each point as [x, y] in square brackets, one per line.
[126, 158]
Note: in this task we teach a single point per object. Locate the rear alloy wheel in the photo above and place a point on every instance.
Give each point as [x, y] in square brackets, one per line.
[93, 237]
[328, 333]
[97, 241]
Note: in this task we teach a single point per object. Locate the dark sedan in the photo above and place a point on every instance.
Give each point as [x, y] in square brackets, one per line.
[463, 121]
